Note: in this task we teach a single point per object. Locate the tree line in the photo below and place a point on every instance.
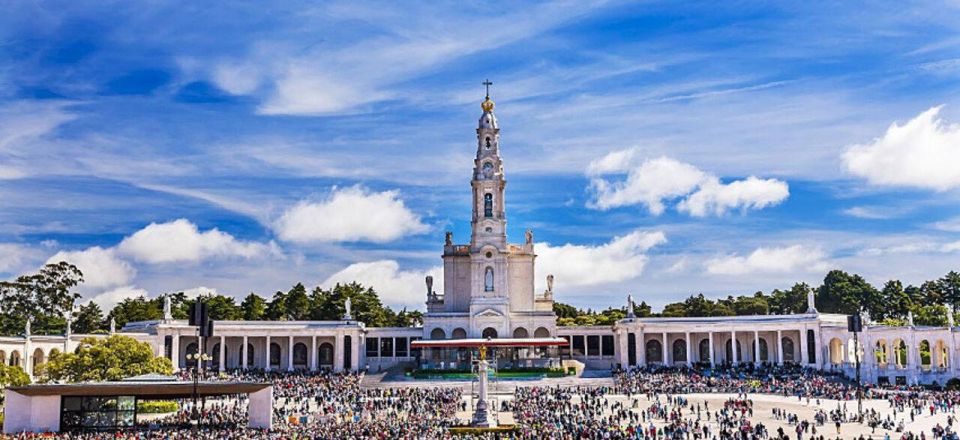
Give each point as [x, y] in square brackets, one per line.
[47, 297]
[840, 292]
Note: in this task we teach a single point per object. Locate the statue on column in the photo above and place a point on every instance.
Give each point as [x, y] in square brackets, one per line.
[347, 305]
[26, 329]
[811, 304]
[630, 313]
[167, 312]
[549, 292]
[448, 240]
[950, 315]
[910, 318]
[529, 236]
[113, 326]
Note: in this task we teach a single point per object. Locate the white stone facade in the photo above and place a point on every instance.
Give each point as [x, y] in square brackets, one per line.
[488, 283]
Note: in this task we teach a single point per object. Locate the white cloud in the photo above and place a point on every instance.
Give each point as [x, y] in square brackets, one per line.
[796, 258]
[649, 184]
[623, 258]
[915, 246]
[101, 267]
[867, 212]
[180, 240]
[949, 225]
[350, 214]
[16, 257]
[923, 153]
[315, 78]
[655, 181]
[751, 193]
[106, 300]
[396, 287]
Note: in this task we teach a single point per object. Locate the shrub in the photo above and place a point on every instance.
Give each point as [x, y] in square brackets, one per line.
[157, 407]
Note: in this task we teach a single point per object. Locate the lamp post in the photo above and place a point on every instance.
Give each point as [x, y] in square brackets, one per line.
[198, 358]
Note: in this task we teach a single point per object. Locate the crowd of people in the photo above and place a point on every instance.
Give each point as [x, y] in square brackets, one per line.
[650, 403]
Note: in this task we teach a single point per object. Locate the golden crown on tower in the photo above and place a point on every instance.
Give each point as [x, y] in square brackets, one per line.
[487, 105]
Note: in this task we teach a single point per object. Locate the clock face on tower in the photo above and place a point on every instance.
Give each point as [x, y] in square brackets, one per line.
[488, 170]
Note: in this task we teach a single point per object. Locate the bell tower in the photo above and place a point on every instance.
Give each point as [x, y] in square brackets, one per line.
[489, 222]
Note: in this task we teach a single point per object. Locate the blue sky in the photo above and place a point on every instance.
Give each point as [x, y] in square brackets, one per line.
[655, 149]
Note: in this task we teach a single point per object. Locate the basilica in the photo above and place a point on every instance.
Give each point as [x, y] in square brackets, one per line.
[488, 294]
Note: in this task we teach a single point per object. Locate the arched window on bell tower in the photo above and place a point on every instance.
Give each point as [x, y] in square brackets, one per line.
[488, 142]
[488, 205]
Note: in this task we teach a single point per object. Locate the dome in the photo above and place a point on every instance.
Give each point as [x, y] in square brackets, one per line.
[488, 120]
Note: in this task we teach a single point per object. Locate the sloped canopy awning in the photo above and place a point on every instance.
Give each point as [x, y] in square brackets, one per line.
[491, 342]
[147, 389]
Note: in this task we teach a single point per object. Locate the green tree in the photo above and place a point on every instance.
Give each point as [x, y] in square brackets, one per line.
[253, 307]
[13, 376]
[220, 307]
[932, 314]
[89, 319]
[45, 297]
[751, 305]
[897, 302]
[136, 309]
[108, 359]
[787, 302]
[847, 294]
[949, 285]
[642, 310]
[277, 309]
[297, 303]
[564, 310]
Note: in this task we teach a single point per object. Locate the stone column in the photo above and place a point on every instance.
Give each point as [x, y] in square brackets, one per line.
[266, 361]
[223, 352]
[313, 354]
[243, 354]
[779, 347]
[641, 350]
[689, 358]
[713, 358]
[290, 353]
[623, 357]
[734, 351]
[355, 351]
[175, 351]
[338, 353]
[667, 352]
[756, 348]
[804, 348]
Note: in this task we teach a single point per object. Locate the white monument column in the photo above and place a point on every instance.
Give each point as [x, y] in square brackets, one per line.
[804, 347]
[623, 357]
[734, 350]
[243, 353]
[338, 353]
[313, 354]
[687, 340]
[266, 362]
[713, 359]
[223, 351]
[779, 347]
[641, 350]
[667, 352]
[175, 352]
[756, 348]
[290, 353]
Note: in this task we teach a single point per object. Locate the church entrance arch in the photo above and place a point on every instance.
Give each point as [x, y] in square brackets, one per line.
[459, 333]
[520, 332]
[541, 332]
[438, 333]
[489, 332]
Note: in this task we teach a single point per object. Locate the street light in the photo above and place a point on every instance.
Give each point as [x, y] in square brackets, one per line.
[197, 359]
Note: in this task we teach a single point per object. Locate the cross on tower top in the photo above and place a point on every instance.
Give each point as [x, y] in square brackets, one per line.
[488, 84]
